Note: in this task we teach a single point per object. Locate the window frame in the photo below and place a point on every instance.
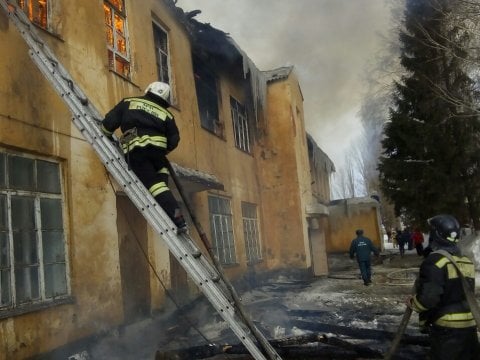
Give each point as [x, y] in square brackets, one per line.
[241, 131]
[251, 232]
[27, 7]
[9, 192]
[114, 54]
[157, 27]
[158, 51]
[207, 92]
[221, 224]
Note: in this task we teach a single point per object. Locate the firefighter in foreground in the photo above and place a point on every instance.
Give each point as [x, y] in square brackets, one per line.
[440, 299]
[149, 133]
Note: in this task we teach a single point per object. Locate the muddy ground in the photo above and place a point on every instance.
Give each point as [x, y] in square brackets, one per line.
[354, 321]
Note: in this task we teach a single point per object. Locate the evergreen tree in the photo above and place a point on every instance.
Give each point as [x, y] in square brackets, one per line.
[431, 158]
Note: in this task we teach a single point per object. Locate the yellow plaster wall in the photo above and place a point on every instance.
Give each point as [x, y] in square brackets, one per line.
[34, 120]
[345, 221]
[282, 175]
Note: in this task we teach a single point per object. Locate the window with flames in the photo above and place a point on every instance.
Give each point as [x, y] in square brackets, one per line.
[117, 39]
[36, 10]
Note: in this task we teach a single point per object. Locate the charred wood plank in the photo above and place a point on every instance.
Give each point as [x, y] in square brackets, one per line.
[359, 333]
[319, 346]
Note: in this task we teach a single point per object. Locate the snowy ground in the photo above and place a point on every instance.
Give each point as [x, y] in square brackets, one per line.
[331, 306]
[338, 306]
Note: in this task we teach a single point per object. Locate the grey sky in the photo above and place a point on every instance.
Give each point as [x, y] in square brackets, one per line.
[329, 42]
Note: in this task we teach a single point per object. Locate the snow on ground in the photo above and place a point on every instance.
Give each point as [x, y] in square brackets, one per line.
[333, 306]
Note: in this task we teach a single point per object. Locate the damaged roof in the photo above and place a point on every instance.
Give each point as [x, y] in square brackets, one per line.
[278, 74]
[320, 158]
[208, 40]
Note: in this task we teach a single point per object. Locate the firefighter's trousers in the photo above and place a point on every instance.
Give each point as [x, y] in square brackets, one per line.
[151, 167]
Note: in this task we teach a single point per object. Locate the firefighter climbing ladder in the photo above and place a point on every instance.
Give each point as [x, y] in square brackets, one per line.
[86, 118]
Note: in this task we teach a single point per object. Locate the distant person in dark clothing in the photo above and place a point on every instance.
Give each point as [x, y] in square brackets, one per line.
[401, 242]
[363, 247]
[405, 238]
[407, 234]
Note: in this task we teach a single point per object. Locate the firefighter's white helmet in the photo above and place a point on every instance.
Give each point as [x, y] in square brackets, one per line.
[160, 89]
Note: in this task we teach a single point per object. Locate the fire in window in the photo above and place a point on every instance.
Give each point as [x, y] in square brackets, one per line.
[36, 10]
[116, 32]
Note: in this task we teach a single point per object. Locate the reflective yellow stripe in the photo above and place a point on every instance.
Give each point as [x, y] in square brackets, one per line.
[164, 170]
[158, 188]
[149, 107]
[160, 141]
[443, 261]
[417, 306]
[464, 264]
[459, 320]
[105, 131]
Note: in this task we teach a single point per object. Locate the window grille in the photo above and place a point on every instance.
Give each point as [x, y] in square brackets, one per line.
[33, 266]
[222, 229]
[240, 125]
[251, 232]
[116, 32]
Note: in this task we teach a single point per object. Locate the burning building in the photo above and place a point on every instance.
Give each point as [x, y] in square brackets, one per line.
[77, 258]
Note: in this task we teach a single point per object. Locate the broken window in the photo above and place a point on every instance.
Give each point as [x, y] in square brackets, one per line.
[206, 87]
[160, 39]
[240, 125]
[222, 229]
[116, 31]
[251, 233]
[36, 10]
[32, 237]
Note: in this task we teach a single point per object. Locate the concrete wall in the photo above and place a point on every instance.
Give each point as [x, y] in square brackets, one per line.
[348, 215]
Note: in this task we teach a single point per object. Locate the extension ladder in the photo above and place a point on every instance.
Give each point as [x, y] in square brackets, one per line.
[86, 118]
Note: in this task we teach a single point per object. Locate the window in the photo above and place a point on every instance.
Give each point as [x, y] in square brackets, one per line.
[160, 40]
[36, 10]
[240, 125]
[206, 87]
[250, 232]
[33, 265]
[222, 229]
[116, 31]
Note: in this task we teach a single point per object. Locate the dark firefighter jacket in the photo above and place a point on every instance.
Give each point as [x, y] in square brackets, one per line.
[362, 246]
[440, 298]
[154, 123]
